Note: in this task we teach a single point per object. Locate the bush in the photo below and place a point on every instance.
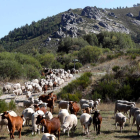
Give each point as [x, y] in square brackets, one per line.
[72, 90]
[12, 105]
[30, 72]
[26, 59]
[75, 97]
[115, 68]
[3, 106]
[46, 59]
[96, 96]
[77, 65]
[89, 54]
[11, 69]
[133, 56]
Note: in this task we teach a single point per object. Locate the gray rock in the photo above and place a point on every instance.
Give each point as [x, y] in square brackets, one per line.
[112, 15]
[60, 34]
[70, 18]
[96, 27]
[92, 12]
[137, 22]
[129, 15]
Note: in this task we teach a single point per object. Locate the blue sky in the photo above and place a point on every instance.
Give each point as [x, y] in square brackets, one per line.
[17, 13]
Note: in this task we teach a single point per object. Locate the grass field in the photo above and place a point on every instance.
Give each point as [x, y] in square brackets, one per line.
[108, 131]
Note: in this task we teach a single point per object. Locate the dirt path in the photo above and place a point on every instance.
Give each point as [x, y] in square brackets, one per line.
[19, 99]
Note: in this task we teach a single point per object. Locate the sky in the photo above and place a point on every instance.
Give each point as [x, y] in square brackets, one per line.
[17, 13]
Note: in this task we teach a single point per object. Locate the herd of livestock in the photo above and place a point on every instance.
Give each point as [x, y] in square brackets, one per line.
[66, 119]
[36, 110]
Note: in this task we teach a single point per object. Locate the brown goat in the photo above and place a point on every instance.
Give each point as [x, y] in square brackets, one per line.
[86, 110]
[14, 123]
[73, 107]
[50, 99]
[51, 126]
[36, 107]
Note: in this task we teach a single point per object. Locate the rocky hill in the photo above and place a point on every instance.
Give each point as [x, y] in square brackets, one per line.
[72, 23]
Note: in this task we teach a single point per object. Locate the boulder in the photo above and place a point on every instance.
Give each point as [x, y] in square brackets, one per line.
[129, 15]
[112, 15]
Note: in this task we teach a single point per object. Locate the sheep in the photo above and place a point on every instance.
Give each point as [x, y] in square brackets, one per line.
[5, 121]
[70, 123]
[27, 113]
[121, 119]
[125, 102]
[17, 92]
[35, 81]
[7, 88]
[62, 114]
[85, 120]
[50, 85]
[37, 88]
[70, 76]
[64, 104]
[28, 87]
[48, 115]
[138, 123]
[82, 101]
[37, 101]
[48, 136]
[122, 107]
[131, 112]
[28, 94]
[36, 127]
[87, 103]
[42, 104]
[27, 103]
[136, 113]
[23, 88]
[16, 86]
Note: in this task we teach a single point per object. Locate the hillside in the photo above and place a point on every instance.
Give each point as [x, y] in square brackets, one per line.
[46, 33]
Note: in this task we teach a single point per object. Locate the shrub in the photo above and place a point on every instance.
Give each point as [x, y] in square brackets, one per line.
[46, 59]
[3, 106]
[89, 54]
[75, 97]
[11, 69]
[72, 90]
[26, 59]
[56, 65]
[12, 105]
[77, 65]
[96, 96]
[30, 72]
[133, 56]
[115, 68]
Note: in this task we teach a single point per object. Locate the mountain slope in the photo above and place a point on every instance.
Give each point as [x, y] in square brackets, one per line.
[46, 33]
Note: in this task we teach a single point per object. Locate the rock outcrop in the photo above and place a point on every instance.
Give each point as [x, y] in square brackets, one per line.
[69, 21]
[92, 12]
[112, 15]
[73, 24]
[129, 15]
